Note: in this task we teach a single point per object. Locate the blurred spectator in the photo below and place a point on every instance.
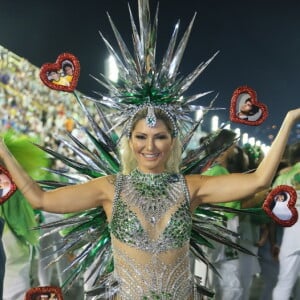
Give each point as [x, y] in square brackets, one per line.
[289, 255]
[224, 258]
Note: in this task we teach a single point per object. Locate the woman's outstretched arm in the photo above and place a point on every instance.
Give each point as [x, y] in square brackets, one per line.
[61, 200]
[208, 189]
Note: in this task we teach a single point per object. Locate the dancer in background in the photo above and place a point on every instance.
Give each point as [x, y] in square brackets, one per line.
[289, 258]
[224, 258]
[19, 240]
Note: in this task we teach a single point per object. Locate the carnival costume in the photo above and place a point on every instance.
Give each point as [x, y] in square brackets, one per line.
[151, 219]
[143, 252]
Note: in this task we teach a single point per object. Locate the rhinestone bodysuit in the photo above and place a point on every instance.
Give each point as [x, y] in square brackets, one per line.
[150, 228]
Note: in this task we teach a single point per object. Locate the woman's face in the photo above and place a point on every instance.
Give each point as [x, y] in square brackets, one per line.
[151, 146]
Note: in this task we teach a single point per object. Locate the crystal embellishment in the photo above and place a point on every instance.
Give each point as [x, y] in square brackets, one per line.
[151, 118]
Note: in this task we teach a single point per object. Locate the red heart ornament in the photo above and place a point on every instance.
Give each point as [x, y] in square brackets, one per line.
[38, 292]
[7, 186]
[245, 108]
[63, 74]
[280, 205]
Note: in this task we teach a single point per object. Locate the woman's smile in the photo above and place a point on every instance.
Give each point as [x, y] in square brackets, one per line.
[150, 156]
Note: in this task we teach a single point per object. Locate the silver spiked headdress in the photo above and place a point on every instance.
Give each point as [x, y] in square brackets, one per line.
[143, 83]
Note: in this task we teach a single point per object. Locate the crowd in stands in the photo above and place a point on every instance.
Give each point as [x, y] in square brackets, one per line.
[30, 107]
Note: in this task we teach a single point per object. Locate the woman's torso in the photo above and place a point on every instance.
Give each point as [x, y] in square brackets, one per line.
[150, 229]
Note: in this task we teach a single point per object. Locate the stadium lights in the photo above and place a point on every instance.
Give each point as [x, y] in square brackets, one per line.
[112, 69]
[214, 123]
[238, 132]
[245, 138]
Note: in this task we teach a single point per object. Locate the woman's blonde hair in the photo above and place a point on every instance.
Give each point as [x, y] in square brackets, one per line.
[128, 160]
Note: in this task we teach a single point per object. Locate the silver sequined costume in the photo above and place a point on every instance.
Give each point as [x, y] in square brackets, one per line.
[151, 227]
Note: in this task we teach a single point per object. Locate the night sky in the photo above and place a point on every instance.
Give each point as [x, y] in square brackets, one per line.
[259, 43]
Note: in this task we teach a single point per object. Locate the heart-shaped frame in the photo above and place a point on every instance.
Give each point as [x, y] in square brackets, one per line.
[280, 205]
[47, 291]
[245, 108]
[7, 186]
[62, 75]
